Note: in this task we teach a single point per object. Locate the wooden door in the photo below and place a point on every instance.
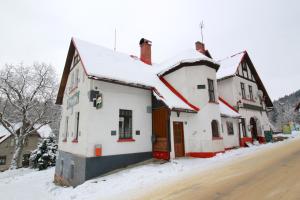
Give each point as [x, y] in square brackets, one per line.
[178, 139]
[160, 120]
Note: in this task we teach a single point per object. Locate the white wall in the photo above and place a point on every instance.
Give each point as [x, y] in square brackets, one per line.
[103, 121]
[186, 80]
[230, 140]
[197, 130]
[83, 86]
[95, 125]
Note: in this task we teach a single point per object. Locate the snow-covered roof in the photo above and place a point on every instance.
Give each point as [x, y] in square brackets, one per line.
[102, 62]
[187, 56]
[44, 132]
[229, 65]
[227, 110]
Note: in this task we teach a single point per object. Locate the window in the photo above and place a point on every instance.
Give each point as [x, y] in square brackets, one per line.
[243, 125]
[243, 90]
[65, 136]
[250, 92]
[125, 124]
[61, 167]
[229, 128]
[76, 126]
[72, 169]
[211, 90]
[244, 70]
[215, 128]
[2, 160]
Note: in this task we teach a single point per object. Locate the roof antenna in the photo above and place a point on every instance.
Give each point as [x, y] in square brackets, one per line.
[201, 25]
[115, 43]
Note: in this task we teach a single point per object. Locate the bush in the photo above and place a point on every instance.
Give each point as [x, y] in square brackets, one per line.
[45, 154]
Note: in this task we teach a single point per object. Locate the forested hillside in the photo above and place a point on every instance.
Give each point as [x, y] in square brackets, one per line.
[284, 110]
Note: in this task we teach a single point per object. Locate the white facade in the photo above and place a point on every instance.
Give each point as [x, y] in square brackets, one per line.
[231, 90]
[230, 140]
[96, 125]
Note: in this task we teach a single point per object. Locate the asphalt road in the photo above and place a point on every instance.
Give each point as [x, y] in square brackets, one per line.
[273, 173]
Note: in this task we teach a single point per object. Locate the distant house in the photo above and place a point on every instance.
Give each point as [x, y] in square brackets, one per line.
[119, 109]
[240, 85]
[7, 146]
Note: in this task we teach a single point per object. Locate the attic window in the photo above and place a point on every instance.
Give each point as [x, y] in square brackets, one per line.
[244, 70]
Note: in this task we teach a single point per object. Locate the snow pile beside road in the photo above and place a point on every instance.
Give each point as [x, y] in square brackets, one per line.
[28, 184]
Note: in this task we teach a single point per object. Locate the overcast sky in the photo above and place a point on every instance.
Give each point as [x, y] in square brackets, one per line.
[40, 30]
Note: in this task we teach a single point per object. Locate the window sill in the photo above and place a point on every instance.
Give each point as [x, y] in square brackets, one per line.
[75, 141]
[214, 102]
[126, 140]
[217, 138]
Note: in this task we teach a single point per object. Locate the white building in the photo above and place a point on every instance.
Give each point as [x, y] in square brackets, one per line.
[240, 85]
[119, 110]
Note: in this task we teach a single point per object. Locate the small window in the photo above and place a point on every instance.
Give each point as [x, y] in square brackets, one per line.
[229, 128]
[243, 90]
[215, 128]
[61, 167]
[245, 70]
[250, 92]
[65, 135]
[76, 125]
[125, 124]
[72, 169]
[2, 160]
[243, 125]
[12, 142]
[211, 90]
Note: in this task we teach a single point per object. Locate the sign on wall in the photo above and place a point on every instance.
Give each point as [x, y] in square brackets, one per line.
[73, 100]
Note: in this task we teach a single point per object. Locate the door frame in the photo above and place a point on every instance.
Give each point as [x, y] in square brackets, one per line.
[183, 139]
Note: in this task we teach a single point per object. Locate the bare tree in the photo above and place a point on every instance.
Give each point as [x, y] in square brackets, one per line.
[27, 93]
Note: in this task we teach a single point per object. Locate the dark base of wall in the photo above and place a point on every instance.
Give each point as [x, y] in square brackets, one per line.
[85, 168]
[97, 166]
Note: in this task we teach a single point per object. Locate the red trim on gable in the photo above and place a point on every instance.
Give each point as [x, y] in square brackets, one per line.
[178, 94]
[227, 104]
[79, 56]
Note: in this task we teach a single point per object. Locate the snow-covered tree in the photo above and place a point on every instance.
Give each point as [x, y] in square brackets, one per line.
[27, 94]
[45, 155]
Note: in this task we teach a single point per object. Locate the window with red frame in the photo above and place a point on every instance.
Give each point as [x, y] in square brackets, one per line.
[125, 124]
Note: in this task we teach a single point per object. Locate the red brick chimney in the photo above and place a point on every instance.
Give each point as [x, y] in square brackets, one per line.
[145, 51]
[200, 47]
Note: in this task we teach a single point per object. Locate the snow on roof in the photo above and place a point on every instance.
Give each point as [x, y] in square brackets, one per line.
[187, 56]
[44, 132]
[227, 111]
[229, 65]
[105, 63]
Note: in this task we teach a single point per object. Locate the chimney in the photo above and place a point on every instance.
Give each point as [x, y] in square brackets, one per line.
[200, 47]
[145, 51]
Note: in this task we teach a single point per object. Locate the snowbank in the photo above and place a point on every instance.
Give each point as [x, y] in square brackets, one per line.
[28, 184]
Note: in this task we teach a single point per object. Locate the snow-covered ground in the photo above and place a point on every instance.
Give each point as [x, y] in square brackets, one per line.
[29, 184]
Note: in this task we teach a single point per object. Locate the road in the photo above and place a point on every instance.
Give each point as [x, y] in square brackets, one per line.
[273, 173]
